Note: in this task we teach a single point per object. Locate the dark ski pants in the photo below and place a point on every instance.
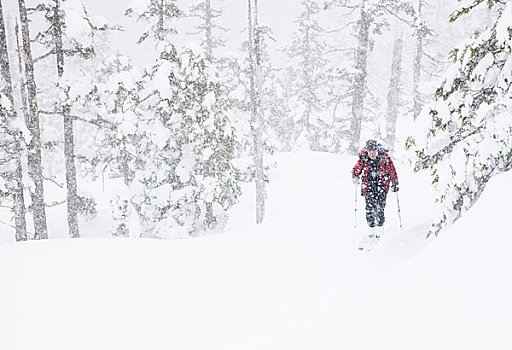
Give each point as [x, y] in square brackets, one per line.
[375, 205]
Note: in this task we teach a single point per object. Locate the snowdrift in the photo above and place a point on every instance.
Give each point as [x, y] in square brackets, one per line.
[295, 282]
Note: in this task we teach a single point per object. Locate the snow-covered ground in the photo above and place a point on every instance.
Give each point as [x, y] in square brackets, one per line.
[295, 282]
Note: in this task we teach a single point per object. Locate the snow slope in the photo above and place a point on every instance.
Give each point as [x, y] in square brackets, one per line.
[295, 282]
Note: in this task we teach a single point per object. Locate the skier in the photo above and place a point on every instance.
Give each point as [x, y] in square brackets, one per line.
[378, 174]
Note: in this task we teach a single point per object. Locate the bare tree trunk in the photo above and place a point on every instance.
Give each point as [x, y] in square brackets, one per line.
[394, 94]
[71, 183]
[17, 176]
[257, 108]
[308, 82]
[35, 166]
[23, 85]
[4, 59]
[418, 54]
[359, 87]
[161, 35]
[260, 176]
[208, 20]
[69, 143]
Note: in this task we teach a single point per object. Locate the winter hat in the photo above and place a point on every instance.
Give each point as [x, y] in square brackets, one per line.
[371, 145]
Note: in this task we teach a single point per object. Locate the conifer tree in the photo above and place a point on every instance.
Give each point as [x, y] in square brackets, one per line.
[469, 130]
[309, 74]
[208, 15]
[184, 180]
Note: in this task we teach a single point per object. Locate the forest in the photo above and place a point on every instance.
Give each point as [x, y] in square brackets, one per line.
[184, 101]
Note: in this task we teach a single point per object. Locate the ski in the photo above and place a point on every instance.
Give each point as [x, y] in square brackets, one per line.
[369, 242]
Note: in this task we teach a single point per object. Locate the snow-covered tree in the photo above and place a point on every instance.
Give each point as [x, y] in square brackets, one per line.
[189, 178]
[235, 71]
[429, 60]
[159, 16]
[469, 128]
[208, 14]
[373, 19]
[280, 133]
[35, 165]
[394, 94]
[11, 169]
[308, 71]
[60, 16]
[69, 39]
[111, 107]
[421, 31]
[183, 177]
[255, 48]
[115, 97]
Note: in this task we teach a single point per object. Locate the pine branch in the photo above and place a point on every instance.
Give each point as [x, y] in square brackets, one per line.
[428, 161]
[464, 10]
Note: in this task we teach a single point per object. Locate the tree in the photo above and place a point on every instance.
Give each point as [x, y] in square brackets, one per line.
[309, 74]
[160, 15]
[68, 38]
[420, 33]
[184, 180]
[35, 166]
[469, 137]
[373, 17]
[114, 101]
[255, 48]
[69, 142]
[11, 140]
[394, 94]
[208, 14]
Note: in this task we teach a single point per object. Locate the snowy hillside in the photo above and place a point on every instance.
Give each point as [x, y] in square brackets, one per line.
[295, 282]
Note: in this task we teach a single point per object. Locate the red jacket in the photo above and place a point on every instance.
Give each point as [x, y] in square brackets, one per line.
[386, 168]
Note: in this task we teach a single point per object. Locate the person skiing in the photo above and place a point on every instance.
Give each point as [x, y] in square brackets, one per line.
[378, 175]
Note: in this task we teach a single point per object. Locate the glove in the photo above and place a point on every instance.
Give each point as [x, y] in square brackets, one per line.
[355, 179]
[394, 186]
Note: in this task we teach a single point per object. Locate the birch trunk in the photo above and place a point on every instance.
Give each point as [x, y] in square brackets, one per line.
[69, 145]
[394, 94]
[35, 166]
[359, 87]
[17, 177]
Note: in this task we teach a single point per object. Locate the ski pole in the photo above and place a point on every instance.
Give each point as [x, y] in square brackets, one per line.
[399, 215]
[355, 208]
